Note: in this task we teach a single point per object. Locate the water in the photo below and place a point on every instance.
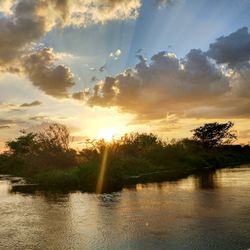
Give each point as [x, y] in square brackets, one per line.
[207, 212]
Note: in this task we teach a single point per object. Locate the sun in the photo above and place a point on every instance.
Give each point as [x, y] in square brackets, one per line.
[107, 134]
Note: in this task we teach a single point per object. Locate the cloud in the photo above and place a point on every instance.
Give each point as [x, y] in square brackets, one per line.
[4, 127]
[94, 79]
[6, 122]
[233, 49]
[116, 54]
[44, 117]
[81, 95]
[7, 106]
[54, 80]
[19, 29]
[102, 68]
[5, 6]
[196, 86]
[241, 82]
[24, 22]
[85, 12]
[31, 104]
[66, 56]
[166, 84]
[39, 118]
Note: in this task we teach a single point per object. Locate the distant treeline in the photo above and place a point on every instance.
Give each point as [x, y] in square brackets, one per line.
[47, 159]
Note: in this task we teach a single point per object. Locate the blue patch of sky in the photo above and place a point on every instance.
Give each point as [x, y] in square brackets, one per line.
[184, 25]
[178, 27]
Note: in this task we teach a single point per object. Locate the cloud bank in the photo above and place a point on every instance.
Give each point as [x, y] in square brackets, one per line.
[194, 86]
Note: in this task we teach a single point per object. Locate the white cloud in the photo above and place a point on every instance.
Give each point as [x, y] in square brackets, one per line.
[116, 54]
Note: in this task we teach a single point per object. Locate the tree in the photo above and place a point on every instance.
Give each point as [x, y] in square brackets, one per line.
[55, 137]
[43, 150]
[24, 144]
[215, 134]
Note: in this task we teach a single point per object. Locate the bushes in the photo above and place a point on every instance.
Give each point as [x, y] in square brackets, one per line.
[81, 178]
[76, 178]
[33, 153]
[46, 158]
[135, 166]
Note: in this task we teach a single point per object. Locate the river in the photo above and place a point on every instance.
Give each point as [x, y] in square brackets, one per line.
[211, 211]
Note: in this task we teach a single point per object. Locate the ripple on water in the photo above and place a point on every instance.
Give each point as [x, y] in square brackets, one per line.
[211, 211]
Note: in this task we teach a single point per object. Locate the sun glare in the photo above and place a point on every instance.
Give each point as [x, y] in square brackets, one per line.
[108, 134]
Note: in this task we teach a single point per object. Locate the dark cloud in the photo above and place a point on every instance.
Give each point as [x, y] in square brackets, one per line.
[54, 80]
[8, 123]
[39, 118]
[31, 104]
[94, 79]
[4, 122]
[241, 82]
[102, 68]
[197, 86]
[165, 85]
[16, 31]
[233, 49]
[27, 21]
[30, 20]
[80, 96]
[24, 22]
[4, 127]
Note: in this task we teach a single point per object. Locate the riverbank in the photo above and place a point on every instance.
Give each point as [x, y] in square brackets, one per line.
[70, 181]
[106, 167]
[126, 172]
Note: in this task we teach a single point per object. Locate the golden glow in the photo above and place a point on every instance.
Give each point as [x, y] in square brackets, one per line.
[107, 134]
[103, 167]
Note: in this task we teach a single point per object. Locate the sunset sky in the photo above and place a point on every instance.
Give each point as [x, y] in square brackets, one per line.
[115, 66]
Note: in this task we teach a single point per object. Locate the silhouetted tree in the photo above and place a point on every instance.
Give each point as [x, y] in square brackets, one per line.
[43, 150]
[24, 144]
[55, 137]
[215, 134]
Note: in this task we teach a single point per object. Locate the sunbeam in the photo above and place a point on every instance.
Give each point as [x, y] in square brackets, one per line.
[103, 167]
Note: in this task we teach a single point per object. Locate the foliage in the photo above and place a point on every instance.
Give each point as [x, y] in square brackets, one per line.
[35, 152]
[24, 144]
[46, 157]
[215, 134]
[54, 138]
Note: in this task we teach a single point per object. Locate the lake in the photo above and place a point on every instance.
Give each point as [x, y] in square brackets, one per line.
[211, 211]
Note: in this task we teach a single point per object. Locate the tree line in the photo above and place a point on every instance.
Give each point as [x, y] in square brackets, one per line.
[47, 158]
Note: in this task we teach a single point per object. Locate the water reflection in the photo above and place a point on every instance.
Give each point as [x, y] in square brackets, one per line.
[207, 180]
[210, 211]
[108, 200]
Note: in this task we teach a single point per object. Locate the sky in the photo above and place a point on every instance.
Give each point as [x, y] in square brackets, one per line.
[107, 67]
